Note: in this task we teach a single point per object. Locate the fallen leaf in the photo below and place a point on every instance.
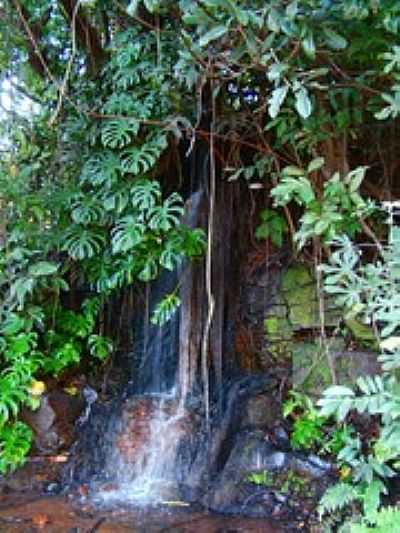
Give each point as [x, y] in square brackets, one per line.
[37, 388]
[58, 459]
[72, 390]
[40, 520]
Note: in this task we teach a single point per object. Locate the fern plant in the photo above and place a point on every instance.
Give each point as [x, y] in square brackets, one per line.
[385, 520]
[371, 291]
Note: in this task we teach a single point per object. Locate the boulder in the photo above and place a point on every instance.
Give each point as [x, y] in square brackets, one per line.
[53, 423]
[260, 479]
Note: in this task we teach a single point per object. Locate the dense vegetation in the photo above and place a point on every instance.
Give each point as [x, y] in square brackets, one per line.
[297, 98]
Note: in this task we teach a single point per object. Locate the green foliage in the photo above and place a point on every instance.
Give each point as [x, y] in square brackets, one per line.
[337, 211]
[306, 432]
[165, 309]
[15, 442]
[263, 478]
[386, 519]
[273, 226]
[307, 423]
[337, 497]
[369, 290]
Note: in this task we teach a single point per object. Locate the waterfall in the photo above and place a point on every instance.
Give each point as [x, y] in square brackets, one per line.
[142, 460]
[150, 444]
[153, 425]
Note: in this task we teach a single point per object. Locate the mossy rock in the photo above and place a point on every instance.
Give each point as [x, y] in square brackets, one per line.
[311, 371]
[299, 290]
[278, 329]
[362, 333]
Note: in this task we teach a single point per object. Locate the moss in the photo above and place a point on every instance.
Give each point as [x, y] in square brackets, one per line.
[284, 482]
[362, 333]
[278, 328]
[297, 275]
[300, 293]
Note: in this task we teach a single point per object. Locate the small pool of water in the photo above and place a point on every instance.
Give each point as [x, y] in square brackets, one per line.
[56, 514]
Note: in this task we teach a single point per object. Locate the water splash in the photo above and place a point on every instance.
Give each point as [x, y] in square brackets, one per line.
[142, 464]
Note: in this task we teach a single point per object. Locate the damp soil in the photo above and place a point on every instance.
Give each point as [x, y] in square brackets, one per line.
[30, 513]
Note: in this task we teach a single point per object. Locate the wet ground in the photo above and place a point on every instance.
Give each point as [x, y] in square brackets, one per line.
[28, 513]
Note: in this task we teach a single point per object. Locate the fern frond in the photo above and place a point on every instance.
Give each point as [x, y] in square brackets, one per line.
[386, 520]
[337, 497]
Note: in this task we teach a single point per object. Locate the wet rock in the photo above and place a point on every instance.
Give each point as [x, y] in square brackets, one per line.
[53, 422]
[35, 476]
[53, 488]
[312, 466]
[251, 453]
[42, 421]
[280, 438]
[259, 479]
[260, 411]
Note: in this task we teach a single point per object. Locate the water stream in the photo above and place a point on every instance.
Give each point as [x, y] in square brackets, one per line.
[142, 461]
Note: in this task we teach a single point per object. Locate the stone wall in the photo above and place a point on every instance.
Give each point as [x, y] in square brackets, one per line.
[292, 325]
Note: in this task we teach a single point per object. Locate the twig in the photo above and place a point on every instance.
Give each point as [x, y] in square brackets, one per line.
[39, 53]
[63, 87]
[210, 296]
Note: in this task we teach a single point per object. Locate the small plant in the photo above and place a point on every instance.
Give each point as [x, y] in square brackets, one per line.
[384, 521]
[273, 226]
[263, 478]
[15, 443]
[307, 422]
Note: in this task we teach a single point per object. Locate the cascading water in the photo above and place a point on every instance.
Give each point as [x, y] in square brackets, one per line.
[142, 461]
[153, 429]
[151, 445]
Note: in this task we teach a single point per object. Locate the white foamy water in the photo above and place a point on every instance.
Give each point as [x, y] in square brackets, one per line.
[142, 462]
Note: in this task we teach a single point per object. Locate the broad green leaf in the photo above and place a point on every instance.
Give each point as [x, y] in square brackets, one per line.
[391, 344]
[338, 390]
[132, 7]
[274, 21]
[303, 103]
[212, 35]
[315, 164]
[276, 100]
[308, 45]
[334, 40]
[292, 170]
[43, 268]
[292, 9]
